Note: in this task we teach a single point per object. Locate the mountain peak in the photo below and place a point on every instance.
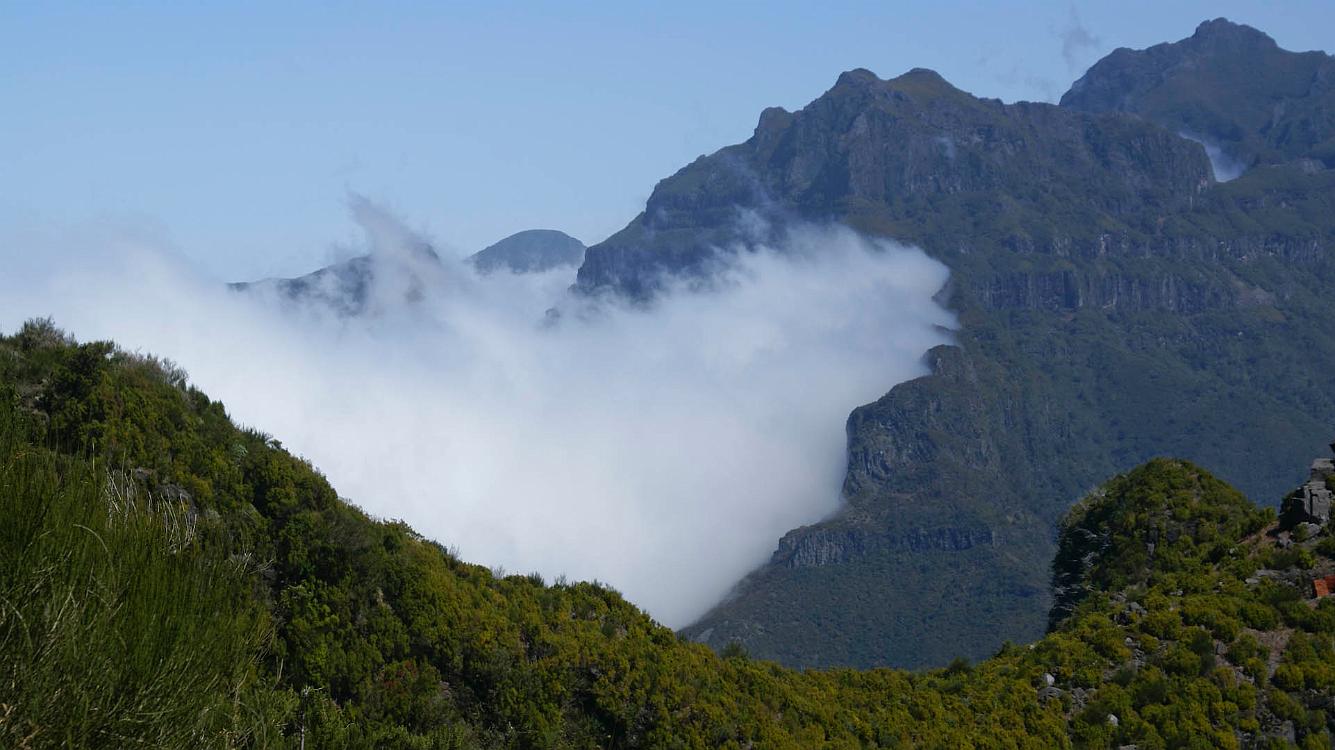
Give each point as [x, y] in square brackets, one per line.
[1228, 85]
[926, 75]
[923, 81]
[532, 250]
[1223, 30]
[857, 77]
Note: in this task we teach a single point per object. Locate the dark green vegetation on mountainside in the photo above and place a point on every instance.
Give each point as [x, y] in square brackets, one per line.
[1115, 301]
[172, 580]
[1229, 83]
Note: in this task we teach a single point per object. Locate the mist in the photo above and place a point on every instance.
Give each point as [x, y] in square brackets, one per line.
[1224, 166]
[662, 449]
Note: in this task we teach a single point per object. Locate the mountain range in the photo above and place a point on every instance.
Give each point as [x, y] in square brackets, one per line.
[345, 287]
[530, 251]
[1117, 300]
[172, 579]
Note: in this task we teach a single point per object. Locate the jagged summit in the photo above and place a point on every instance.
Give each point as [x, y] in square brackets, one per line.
[919, 81]
[854, 91]
[868, 142]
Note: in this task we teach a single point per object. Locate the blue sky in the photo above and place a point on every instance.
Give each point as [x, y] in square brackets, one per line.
[235, 131]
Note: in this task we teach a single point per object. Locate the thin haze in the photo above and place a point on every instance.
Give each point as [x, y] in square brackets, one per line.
[236, 127]
[661, 450]
[1225, 167]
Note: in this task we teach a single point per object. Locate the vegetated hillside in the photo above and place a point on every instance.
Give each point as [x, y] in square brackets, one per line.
[1115, 303]
[173, 580]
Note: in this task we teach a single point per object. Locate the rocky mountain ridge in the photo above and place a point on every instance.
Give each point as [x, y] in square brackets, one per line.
[912, 143]
[1116, 302]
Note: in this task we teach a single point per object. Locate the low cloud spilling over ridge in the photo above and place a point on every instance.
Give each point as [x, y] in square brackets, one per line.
[661, 449]
[1225, 167]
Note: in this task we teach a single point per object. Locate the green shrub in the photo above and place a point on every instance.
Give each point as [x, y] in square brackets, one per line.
[117, 629]
[256, 609]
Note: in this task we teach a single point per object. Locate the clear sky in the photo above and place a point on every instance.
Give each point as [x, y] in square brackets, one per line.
[235, 130]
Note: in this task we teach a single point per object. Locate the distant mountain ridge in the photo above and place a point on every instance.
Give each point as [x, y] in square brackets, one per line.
[1116, 302]
[905, 143]
[345, 287]
[530, 251]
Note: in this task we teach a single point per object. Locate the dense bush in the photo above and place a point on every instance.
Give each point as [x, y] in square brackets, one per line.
[172, 580]
[117, 629]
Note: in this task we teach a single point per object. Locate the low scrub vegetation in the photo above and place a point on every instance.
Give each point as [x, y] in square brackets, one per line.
[172, 580]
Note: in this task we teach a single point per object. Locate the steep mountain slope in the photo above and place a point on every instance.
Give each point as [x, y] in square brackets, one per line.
[530, 251]
[1116, 303]
[191, 583]
[1228, 84]
[917, 155]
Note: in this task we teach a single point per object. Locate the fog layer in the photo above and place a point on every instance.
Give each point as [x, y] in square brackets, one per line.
[662, 449]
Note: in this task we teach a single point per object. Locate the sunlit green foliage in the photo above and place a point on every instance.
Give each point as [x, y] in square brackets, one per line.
[117, 629]
[172, 580]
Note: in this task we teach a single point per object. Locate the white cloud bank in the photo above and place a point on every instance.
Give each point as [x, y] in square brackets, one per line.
[661, 450]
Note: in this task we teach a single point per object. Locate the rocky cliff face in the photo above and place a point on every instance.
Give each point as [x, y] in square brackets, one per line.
[876, 150]
[821, 546]
[1116, 303]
